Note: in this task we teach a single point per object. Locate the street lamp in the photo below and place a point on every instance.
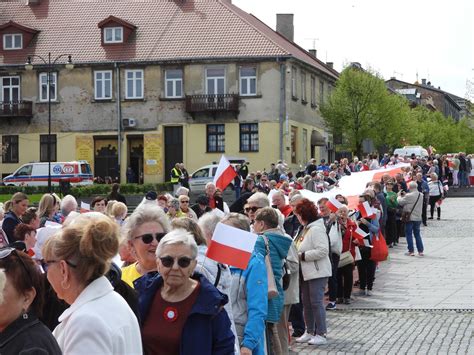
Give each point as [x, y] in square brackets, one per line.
[50, 66]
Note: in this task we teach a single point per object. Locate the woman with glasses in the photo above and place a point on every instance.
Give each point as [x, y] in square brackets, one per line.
[184, 207]
[144, 229]
[182, 312]
[99, 320]
[21, 302]
[174, 210]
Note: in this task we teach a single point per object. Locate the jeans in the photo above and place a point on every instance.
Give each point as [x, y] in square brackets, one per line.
[237, 192]
[413, 228]
[462, 177]
[314, 311]
[332, 282]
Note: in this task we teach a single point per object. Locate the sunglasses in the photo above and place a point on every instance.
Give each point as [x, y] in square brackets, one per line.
[168, 261]
[185, 201]
[253, 209]
[6, 252]
[148, 238]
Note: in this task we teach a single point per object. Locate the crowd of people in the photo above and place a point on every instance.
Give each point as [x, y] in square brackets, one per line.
[111, 283]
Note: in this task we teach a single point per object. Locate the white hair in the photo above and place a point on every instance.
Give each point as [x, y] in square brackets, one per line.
[182, 191]
[178, 236]
[412, 185]
[208, 223]
[260, 199]
[68, 204]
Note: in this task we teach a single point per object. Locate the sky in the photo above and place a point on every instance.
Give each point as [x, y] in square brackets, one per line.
[407, 39]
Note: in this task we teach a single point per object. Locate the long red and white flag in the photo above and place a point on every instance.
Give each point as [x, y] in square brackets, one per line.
[333, 204]
[231, 246]
[366, 210]
[225, 174]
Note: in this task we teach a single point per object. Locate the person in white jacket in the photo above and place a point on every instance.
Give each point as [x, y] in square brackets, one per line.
[315, 265]
[99, 320]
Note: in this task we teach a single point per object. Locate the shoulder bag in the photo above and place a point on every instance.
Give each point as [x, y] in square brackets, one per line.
[346, 257]
[272, 288]
[407, 215]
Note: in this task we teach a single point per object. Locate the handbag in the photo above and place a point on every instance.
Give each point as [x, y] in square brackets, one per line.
[272, 288]
[407, 215]
[346, 257]
[379, 248]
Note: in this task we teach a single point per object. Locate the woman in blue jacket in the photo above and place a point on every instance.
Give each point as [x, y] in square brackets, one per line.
[181, 311]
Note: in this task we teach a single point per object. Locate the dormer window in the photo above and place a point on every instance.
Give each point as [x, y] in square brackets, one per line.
[113, 34]
[12, 41]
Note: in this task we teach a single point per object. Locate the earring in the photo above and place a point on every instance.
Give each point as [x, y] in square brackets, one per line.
[64, 287]
[25, 315]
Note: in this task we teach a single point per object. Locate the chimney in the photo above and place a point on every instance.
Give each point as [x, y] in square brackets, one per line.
[423, 81]
[330, 64]
[285, 26]
[313, 52]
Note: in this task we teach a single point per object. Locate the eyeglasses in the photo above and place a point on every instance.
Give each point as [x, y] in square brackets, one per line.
[49, 262]
[168, 261]
[6, 252]
[253, 209]
[148, 238]
[184, 201]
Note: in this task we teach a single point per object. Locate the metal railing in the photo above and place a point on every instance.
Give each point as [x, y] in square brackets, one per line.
[212, 103]
[16, 108]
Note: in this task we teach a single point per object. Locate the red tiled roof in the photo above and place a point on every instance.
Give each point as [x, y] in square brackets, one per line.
[166, 30]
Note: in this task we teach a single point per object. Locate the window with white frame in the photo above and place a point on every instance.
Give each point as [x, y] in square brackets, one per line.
[313, 91]
[113, 35]
[248, 81]
[134, 84]
[12, 41]
[215, 81]
[174, 83]
[303, 87]
[44, 94]
[103, 84]
[293, 82]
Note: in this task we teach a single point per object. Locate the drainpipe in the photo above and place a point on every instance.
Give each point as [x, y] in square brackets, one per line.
[282, 104]
[119, 118]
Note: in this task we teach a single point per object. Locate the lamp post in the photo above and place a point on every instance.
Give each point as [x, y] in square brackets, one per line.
[50, 66]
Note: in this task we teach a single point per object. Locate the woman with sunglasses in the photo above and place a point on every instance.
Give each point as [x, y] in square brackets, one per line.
[144, 229]
[17, 207]
[181, 311]
[99, 320]
[185, 209]
[20, 330]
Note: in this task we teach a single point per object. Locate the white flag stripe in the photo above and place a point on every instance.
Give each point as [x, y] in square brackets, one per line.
[223, 164]
[235, 238]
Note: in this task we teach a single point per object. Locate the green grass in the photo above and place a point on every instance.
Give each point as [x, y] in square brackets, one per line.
[34, 198]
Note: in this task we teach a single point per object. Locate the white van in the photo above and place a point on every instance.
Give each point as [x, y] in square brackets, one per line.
[408, 150]
[36, 174]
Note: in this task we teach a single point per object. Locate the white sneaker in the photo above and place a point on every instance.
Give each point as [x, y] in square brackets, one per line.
[304, 338]
[318, 340]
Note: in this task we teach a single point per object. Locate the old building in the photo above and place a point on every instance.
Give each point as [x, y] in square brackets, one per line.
[156, 82]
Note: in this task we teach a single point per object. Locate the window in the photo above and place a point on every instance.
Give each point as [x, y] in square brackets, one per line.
[24, 171]
[248, 81]
[293, 82]
[10, 149]
[113, 35]
[303, 87]
[201, 173]
[43, 86]
[321, 92]
[103, 85]
[215, 138]
[12, 41]
[294, 132]
[134, 84]
[174, 83]
[215, 81]
[313, 91]
[44, 147]
[10, 88]
[249, 137]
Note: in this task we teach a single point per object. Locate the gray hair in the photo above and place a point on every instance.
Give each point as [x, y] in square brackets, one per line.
[182, 191]
[412, 185]
[296, 197]
[237, 220]
[174, 202]
[178, 236]
[210, 184]
[146, 214]
[208, 223]
[435, 175]
[259, 199]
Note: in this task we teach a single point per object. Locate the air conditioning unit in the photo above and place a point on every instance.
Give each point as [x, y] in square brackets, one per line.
[129, 122]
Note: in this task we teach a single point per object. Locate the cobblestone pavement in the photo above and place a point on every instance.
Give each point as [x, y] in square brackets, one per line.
[420, 305]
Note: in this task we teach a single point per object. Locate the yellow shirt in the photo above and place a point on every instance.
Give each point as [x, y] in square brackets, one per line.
[130, 274]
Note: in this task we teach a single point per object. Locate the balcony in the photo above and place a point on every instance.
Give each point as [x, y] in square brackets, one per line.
[212, 104]
[16, 109]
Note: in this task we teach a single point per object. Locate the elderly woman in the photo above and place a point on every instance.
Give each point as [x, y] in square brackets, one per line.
[185, 209]
[118, 212]
[20, 304]
[99, 320]
[257, 201]
[47, 209]
[18, 205]
[144, 229]
[174, 210]
[315, 266]
[182, 313]
[436, 194]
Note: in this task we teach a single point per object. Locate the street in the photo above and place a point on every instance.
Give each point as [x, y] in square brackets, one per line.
[420, 305]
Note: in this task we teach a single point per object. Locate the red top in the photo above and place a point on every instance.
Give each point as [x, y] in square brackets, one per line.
[161, 332]
[351, 226]
[286, 210]
[212, 202]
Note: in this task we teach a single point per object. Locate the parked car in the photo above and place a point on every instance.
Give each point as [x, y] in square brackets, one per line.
[36, 174]
[408, 150]
[205, 174]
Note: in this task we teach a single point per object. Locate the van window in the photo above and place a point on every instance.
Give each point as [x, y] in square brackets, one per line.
[214, 171]
[85, 169]
[24, 170]
[201, 173]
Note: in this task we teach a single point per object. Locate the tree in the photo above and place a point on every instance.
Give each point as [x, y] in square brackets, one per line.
[361, 107]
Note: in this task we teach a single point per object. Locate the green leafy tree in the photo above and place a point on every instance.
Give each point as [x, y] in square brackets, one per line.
[361, 107]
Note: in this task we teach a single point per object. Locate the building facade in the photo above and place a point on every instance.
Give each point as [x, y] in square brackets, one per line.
[155, 83]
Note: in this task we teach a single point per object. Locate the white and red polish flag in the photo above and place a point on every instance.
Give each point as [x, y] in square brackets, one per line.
[225, 174]
[333, 204]
[359, 233]
[85, 207]
[231, 246]
[365, 210]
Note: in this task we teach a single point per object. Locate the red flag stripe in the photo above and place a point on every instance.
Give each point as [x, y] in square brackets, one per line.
[225, 178]
[228, 255]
